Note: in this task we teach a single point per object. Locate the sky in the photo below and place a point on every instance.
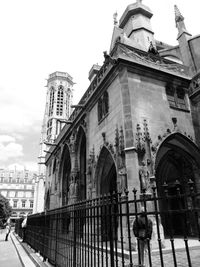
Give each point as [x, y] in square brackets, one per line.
[39, 37]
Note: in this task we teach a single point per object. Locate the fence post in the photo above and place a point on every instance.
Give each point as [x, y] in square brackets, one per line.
[169, 222]
[56, 228]
[74, 234]
[194, 200]
[128, 225]
[157, 225]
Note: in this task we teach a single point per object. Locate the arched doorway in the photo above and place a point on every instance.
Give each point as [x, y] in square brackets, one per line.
[177, 162]
[82, 163]
[65, 174]
[106, 178]
[106, 175]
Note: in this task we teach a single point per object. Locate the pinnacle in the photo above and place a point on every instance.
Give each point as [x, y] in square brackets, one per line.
[178, 15]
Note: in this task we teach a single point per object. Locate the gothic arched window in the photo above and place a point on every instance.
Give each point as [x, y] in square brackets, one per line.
[51, 102]
[99, 109]
[59, 110]
[103, 106]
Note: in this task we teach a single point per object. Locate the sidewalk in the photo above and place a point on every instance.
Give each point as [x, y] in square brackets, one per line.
[14, 253]
[9, 256]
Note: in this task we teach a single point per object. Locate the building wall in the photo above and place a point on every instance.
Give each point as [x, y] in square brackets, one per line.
[18, 188]
[194, 44]
[149, 99]
[109, 123]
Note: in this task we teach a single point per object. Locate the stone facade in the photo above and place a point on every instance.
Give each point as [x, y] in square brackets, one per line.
[137, 124]
[18, 188]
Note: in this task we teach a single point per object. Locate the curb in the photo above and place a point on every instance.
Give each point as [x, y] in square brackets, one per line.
[26, 255]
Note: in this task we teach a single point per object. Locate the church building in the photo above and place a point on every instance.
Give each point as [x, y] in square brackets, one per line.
[138, 123]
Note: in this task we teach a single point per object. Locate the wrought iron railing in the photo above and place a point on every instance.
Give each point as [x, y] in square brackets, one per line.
[99, 232]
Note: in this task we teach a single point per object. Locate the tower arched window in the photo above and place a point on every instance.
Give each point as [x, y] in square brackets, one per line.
[59, 110]
[49, 129]
[51, 102]
[68, 102]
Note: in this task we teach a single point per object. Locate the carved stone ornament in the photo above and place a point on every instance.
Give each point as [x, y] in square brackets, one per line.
[194, 85]
[142, 139]
[144, 176]
[91, 166]
[161, 138]
[140, 145]
[72, 142]
[84, 124]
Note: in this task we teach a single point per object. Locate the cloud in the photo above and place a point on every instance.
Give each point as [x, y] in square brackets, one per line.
[19, 115]
[6, 139]
[10, 150]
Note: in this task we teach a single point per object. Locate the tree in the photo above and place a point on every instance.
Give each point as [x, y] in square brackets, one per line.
[5, 208]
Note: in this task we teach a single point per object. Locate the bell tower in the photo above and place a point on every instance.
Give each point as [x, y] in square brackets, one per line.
[58, 104]
[57, 112]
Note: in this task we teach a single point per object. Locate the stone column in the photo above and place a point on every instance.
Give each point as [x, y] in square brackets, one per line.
[73, 187]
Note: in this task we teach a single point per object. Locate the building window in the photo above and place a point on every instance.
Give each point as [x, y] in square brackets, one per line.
[1, 179]
[28, 194]
[10, 179]
[23, 203]
[58, 127]
[20, 194]
[15, 204]
[176, 97]
[59, 110]
[103, 106]
[49, 129]
[31, 204]
[68, 103]
[12, 194]
[181, 99]
[51, 103]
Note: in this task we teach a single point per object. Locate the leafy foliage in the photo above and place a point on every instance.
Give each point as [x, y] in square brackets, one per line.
[5, 208]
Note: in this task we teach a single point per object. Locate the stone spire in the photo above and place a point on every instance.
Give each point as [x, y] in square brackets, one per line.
[178, 15]
[180, 24]
[183, 37]
[115, 18]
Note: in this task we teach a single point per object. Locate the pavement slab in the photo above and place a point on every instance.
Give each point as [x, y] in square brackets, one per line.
[9, 256]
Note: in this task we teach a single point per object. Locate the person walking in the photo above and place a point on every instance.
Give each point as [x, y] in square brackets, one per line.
[142, 229]
[24, 225]
[8, 227]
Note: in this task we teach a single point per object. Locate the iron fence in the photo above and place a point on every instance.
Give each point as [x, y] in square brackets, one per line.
[99, 232]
